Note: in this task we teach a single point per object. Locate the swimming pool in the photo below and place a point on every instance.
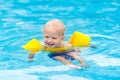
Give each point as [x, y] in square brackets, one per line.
[22, 20]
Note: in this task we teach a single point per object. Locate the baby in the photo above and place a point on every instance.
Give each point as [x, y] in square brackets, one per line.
[54, 38]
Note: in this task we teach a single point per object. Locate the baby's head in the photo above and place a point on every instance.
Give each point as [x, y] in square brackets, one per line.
[53, 33]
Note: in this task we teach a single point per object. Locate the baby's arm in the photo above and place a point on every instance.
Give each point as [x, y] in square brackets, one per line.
[77, 57]
[66, 62]
[31, 56]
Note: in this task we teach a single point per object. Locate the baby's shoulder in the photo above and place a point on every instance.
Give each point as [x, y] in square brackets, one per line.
[66, 44]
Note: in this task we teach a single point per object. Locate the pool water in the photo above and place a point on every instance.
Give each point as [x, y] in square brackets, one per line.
[22, 20]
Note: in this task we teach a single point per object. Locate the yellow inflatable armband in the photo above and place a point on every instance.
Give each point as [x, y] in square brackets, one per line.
[34, 46]
[79, 39]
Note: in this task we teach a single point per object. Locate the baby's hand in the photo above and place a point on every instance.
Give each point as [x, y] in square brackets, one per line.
[30, 58]
[84, 65]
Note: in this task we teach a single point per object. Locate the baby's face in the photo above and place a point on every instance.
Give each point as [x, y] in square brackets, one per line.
[51, 38]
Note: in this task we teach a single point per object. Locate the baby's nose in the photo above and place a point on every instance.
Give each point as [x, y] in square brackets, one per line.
[49, 40]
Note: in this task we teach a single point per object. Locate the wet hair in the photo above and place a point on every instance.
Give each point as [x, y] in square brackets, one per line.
[57, 25]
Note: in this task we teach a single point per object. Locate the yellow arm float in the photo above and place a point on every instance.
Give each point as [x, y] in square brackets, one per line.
[34, 46]
[78, 39]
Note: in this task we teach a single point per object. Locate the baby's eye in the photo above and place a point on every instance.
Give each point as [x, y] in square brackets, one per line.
[54, 38]
[46, 36]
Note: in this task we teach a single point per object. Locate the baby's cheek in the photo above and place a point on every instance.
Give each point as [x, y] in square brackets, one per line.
[45, 40]
[57, 42]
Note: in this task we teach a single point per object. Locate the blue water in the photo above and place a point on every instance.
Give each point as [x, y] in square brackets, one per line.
[22, 20]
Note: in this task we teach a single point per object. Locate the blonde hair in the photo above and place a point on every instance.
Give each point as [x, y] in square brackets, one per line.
[57, 25]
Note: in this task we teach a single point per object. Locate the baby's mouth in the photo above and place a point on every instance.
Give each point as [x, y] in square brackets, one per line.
[50, 44]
